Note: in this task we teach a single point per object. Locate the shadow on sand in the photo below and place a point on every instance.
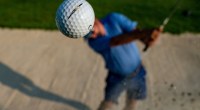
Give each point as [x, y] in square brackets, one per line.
[17, 81]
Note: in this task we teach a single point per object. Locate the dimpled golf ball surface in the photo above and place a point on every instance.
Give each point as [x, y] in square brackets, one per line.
[75, 18]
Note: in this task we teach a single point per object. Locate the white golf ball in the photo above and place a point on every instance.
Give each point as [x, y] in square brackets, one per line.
[75, 18]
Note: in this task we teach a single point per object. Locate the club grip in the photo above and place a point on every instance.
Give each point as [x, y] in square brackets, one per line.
[145, 48]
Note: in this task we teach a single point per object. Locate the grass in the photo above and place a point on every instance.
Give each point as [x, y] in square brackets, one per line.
[149, 13]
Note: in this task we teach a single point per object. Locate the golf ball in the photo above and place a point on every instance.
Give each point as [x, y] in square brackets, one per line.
[75, 18]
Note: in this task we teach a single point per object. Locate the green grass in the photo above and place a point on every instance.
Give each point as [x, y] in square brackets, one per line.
[148, 13]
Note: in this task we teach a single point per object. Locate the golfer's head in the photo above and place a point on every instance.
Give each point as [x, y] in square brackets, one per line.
[98, 29]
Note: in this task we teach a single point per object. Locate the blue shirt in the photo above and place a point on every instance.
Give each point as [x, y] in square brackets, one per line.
[122, 59]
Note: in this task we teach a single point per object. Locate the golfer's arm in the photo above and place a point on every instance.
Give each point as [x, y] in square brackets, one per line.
[126, 38]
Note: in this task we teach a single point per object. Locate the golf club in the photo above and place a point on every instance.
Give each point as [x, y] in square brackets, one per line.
[166, 20]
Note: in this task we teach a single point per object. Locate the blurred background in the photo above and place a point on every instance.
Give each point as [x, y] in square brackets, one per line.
[40, 69]
[149, 13]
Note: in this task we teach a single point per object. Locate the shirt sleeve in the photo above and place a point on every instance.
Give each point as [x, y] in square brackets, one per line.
[124, 22]
[99, 44]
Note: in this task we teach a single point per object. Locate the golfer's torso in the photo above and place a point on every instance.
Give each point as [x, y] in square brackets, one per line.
[122, 59]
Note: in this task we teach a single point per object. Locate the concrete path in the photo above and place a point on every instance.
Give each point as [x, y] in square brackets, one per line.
[43, 70]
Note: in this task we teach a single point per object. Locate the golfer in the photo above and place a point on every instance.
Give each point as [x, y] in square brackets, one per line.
[113, 37]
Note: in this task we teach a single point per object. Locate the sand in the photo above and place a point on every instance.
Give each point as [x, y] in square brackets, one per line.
[43, 70]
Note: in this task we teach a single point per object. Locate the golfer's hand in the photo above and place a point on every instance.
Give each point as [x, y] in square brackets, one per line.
[150, 36]
[154, 36]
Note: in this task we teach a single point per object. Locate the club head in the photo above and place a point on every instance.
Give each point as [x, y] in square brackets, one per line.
[186, 13]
